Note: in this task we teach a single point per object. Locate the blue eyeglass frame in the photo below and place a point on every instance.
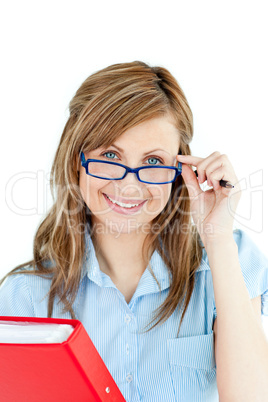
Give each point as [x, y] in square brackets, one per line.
[85, 163]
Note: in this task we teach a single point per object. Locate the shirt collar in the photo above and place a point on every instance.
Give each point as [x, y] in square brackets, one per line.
[204, 265]
[92, 270]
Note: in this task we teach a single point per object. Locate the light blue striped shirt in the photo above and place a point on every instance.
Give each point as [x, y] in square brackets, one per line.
[157, 365]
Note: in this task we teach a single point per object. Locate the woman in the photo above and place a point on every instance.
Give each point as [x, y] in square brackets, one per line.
[146, 259]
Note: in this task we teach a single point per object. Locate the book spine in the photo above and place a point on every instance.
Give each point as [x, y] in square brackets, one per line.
[87, 359]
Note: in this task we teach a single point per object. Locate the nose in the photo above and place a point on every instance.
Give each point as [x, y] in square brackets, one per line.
[131, 177]
[130, 186]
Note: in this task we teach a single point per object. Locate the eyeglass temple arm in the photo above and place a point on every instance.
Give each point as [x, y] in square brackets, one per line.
[82, 157]
[179, 163]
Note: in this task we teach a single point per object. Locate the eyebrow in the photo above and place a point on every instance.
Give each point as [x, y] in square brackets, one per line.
[145, 153]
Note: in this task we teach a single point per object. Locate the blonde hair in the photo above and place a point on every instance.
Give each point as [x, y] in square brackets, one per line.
[108, 103]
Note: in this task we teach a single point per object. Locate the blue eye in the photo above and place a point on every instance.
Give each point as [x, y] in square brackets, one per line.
[155, 160]
[108, 154]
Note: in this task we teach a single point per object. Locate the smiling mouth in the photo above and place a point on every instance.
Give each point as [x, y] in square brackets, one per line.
[124, 205]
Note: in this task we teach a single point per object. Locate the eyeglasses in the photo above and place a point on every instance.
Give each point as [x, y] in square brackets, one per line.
[115, 171]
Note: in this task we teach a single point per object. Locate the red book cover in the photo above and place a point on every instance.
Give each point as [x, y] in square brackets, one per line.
[56, 372]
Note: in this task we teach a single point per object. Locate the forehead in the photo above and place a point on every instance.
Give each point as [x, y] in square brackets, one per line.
[160, 131]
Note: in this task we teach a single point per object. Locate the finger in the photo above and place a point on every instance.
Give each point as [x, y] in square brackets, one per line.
[191, 181]
[222, 173]
[202, 166]
[189, 159]
[220, 161]
[220, 164]
[200, 163]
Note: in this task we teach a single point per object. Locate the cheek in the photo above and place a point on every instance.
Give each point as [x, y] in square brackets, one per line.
[83, 186]
[161, 193]
[160, 196]
[91, 190]
[86, 188]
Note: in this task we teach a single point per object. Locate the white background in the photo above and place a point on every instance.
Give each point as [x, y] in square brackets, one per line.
[216, 50]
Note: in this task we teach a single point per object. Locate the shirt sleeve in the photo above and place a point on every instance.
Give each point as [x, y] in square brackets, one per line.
[15, 298]
[254, 267]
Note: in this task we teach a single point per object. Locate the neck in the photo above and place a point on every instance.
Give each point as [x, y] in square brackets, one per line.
[120, 256]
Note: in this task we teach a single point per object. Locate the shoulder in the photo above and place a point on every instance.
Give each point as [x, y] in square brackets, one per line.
[248, 251]
[254, 267]
[253, 264]
[15, 298]
[20, 292]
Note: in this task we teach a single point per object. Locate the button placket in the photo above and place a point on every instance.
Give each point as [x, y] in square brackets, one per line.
[129, 323]
[127, 318]
[127, 349]
[129, 377]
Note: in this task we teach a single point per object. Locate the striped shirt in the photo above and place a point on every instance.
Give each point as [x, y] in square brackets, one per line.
[157, 365]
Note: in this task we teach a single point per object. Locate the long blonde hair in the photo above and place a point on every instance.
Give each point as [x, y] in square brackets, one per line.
[108, 103]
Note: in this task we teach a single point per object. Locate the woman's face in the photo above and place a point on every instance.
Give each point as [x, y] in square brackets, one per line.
[154, 142]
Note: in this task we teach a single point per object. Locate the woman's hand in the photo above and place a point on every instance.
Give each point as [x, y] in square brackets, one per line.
[212, 210]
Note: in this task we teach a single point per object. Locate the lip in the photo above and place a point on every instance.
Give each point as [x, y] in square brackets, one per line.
[122, 210]
[125, 201]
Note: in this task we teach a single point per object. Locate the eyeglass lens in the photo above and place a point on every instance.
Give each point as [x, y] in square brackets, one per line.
[109, 171]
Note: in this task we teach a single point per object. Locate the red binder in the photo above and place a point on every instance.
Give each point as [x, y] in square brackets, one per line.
[71, 371]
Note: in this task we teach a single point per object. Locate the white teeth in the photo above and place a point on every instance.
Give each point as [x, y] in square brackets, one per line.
[121, 204]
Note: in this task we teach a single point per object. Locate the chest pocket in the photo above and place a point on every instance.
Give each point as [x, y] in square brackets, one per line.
[193, 368]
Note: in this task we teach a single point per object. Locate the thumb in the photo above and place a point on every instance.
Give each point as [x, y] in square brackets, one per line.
[190, 180]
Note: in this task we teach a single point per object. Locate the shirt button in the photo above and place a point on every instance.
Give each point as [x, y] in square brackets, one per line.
[129, 378]
[127, 318]
[127, 348]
